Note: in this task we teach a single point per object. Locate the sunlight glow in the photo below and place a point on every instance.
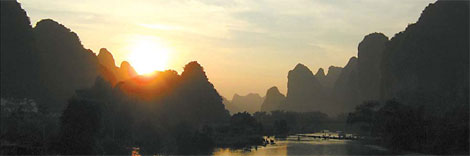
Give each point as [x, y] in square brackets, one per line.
[148, 55]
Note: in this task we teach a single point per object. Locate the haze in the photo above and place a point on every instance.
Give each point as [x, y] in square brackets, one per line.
[246, 46]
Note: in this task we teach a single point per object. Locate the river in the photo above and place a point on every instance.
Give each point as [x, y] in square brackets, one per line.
[308, 146]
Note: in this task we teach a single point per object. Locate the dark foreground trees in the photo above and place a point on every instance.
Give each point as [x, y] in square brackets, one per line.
[283, 123]
[415, 128]
[160, 114]
[80, 126]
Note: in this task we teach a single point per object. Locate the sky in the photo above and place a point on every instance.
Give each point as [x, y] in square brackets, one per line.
[245, 46]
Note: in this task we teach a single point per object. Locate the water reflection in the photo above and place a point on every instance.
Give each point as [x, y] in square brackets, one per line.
[308, 146]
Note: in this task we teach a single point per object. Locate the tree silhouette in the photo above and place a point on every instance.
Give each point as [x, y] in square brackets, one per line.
[80, 127]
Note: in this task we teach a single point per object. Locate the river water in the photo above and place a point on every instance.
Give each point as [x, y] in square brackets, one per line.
[308, 146]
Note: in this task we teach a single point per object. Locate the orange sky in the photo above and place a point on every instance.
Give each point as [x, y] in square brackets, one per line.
[245, 46]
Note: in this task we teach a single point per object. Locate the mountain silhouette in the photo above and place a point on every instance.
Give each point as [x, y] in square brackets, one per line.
[342, 89]
[304, 91]
[331, 77]
[18, 54]
[320, 75]
[231, 107]
[126, 71]
[273, 100]
[412, 67]
[429, 61]
[72, 67]
[346, 87]
[151, 112]
[109, 70]
[201, 94]
[328, 80]
[106, 59]
[46, 63]
[359, 81]
[426, 67]
[187, 97]
[368, 65]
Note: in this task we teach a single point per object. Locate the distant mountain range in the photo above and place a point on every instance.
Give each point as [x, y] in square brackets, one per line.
[250, 103]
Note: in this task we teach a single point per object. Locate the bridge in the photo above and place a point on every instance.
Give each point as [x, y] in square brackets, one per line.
[324, 136]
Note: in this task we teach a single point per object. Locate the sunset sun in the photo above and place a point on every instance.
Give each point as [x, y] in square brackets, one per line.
[148, 55]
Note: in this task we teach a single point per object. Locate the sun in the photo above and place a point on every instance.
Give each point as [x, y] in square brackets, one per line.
[148, 55]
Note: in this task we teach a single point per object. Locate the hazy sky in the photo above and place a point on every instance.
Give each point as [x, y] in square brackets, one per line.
[244, 45]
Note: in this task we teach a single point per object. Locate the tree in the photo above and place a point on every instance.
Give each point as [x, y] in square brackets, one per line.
[365, 115]
[244, 123]
[80, 127]
[281, 128]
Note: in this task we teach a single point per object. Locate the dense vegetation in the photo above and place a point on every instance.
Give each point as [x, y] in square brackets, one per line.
[153, 118]
[411, 128]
